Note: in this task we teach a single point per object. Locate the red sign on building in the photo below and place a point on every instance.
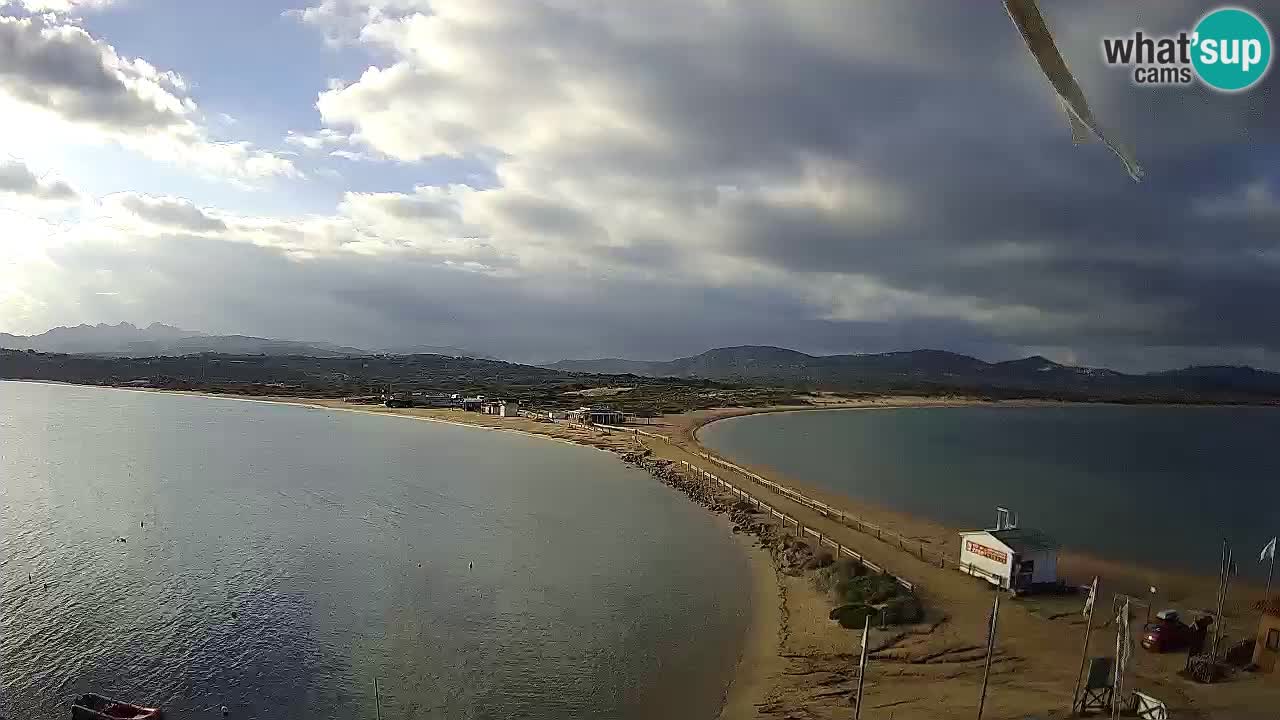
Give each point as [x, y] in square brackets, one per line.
[986, 552]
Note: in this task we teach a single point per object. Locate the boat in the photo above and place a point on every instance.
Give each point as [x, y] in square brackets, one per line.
[92, 706]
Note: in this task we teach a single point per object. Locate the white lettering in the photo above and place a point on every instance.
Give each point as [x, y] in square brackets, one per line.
[1230, 54]
[1252, 54]
[1209, 51]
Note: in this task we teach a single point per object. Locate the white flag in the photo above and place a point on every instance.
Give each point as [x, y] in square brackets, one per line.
[1269, 552]
[1124, 645]
[1093, 595]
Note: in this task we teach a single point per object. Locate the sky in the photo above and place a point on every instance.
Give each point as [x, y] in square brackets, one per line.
[550, 179]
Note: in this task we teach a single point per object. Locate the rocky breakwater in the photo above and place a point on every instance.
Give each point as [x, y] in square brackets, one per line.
[853, 590]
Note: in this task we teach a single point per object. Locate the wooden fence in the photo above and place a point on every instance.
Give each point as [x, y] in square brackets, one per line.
[802, 530]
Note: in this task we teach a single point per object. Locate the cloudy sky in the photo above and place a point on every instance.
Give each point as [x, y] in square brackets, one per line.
[573, 178]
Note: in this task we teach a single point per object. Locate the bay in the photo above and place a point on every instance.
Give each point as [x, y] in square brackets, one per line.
[277, 559]
[1155, 485]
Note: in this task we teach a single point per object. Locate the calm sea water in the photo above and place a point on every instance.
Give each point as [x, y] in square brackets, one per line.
[1155, 485]
[290, 556]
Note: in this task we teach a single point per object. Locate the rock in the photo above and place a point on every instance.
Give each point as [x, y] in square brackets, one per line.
[819, 560]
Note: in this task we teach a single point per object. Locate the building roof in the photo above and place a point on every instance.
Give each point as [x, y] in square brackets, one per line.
[1019, 540]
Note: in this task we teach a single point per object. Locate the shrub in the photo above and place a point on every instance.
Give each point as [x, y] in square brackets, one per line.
[868, 589]
[903, 609]
[842, 570]
[852, 615]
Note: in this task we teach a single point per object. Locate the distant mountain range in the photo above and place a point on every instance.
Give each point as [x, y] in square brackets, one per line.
[158, 339]
[914, 371]
[932, 370]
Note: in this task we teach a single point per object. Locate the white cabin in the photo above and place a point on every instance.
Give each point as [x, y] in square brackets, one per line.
[1010, 558]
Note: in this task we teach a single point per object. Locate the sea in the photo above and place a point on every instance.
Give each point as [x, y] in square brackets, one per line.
[200, 553]
[1158, 486]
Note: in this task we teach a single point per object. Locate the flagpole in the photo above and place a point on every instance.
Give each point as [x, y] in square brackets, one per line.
[862, 666]
[1122, 653]
[1084, 654]
[1266, 594]
[991, 644]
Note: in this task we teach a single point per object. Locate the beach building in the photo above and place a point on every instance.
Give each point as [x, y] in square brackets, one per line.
[596, 416]
[501, 408]
[1266, 648]
[1008, 556]
[432, 399]
[474, 404]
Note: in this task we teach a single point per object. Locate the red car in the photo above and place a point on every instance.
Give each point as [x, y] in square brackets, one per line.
[1169, 633]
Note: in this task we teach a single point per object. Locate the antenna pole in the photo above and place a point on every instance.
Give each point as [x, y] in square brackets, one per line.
[991, 645]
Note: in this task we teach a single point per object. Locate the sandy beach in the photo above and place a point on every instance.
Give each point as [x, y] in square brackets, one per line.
[797, 663]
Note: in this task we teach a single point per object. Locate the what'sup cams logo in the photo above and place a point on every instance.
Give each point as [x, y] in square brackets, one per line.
[1229, 50]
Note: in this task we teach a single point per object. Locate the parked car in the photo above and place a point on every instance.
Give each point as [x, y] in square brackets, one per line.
[1169, 633]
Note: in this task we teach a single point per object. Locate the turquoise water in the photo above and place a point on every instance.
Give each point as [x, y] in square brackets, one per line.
[290, 556]
[1155, 485]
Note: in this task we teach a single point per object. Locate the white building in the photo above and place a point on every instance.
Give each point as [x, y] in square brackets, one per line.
[596, 416]
[501, 408]
[1012, 558]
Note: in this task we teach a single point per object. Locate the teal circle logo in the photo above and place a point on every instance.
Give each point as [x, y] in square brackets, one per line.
[1232, 49]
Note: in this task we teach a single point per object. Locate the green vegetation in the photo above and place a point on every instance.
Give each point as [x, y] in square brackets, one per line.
[859, 594]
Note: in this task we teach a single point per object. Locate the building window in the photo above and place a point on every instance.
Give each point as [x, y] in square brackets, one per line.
[1273, 640]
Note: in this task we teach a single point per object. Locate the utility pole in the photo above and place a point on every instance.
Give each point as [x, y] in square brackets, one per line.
[991, 645]
[1222, 600]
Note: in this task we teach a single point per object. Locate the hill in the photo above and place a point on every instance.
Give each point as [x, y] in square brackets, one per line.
[158, 339]
[932, 371]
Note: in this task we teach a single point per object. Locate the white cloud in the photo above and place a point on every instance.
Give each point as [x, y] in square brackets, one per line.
[355, 156]
[165, 213]
[18, 179]
[318, 140]
[60, 6]
[55, 73]
[1254, 201]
